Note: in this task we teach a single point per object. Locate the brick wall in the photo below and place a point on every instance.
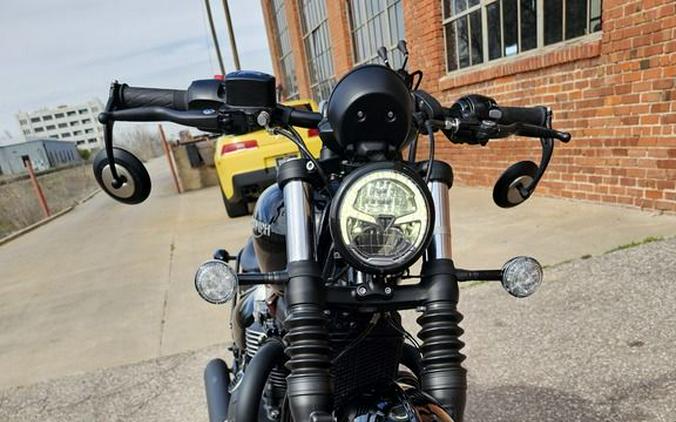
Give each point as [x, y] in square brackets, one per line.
[614, 91]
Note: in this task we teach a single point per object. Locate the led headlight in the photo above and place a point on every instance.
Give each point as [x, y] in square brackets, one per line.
[382, 217]
[215, 281]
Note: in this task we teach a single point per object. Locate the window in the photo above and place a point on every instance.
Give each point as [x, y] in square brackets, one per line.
[376, 24]
[75, 123]
[285, 58]
[71, 113]
[85, 121]
[65, 135]
[58, 116]
[478, 31]
[50, 127]
[23, 122]
[77, 132]
[45, 118]
[82, 111]
[35, 119]
[62, 125]
[89, 130]
[55, 136]
[91, 140]
[39, 129]
[26, 132]
[80, 142]
[317, 47]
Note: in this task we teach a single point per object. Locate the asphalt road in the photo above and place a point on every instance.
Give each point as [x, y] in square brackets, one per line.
[596, 343]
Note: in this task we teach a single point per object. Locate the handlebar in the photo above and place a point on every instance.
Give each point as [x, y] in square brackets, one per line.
[134, 97]
[306, 119]
[472, 119]
[195, 118]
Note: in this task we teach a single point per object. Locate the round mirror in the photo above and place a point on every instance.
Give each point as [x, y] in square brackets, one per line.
[134, 186]
[507, 191]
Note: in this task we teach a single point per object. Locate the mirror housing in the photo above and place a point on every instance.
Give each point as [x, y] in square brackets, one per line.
[135, 187]
[515, 185]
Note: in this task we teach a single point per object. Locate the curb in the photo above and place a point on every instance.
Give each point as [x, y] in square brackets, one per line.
[35, 225]
[44, 221]
[88, 197]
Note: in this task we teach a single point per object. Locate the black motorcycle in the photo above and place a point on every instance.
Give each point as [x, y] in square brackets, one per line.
[316, 292]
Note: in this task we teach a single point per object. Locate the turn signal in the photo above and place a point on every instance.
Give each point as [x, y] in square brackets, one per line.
[521, 276]
[216, 281]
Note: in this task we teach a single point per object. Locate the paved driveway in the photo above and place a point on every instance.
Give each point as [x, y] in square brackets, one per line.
[597, 343]
[110, 284]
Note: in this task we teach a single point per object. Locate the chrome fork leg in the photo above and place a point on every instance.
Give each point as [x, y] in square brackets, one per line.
[309, 385]
[443, 376]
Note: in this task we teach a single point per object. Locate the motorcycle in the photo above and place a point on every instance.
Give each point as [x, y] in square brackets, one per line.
[317, 290]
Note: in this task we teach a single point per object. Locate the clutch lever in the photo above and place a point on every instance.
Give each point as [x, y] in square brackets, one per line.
[534, 131]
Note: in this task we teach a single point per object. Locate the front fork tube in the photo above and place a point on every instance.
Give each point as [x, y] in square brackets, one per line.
[309, 385]
[443, 376]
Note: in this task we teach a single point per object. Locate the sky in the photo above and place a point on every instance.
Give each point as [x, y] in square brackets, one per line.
[56, 52]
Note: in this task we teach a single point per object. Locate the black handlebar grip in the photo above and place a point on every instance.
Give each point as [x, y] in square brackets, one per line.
[133, 97]
[530, 115]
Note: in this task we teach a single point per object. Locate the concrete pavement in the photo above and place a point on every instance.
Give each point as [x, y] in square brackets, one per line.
[110, 284]
[595, 344]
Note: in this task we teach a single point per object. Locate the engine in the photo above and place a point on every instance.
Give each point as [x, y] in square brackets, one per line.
[366, 349]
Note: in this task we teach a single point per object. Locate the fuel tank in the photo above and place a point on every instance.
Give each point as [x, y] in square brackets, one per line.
[269, 230]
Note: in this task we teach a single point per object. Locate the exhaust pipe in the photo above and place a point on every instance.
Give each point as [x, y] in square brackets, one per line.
[270, 353]
[216, 384]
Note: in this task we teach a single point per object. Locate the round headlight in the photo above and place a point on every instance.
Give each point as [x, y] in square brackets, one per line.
[382, 218]
[521, 276]
[215, 281]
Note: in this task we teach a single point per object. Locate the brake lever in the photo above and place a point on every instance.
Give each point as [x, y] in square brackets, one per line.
[534, 131]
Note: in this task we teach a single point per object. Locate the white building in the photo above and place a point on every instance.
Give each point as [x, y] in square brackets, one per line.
[77, 123]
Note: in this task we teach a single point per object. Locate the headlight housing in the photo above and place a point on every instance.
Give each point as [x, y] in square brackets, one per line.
[382, 218]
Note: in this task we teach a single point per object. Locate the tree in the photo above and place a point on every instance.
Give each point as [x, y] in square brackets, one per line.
[85, 154]
[141, 142]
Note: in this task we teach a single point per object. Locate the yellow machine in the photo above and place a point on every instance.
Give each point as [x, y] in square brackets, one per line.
[247, 164]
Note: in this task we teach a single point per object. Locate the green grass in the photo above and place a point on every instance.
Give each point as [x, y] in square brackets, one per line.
[648, 239]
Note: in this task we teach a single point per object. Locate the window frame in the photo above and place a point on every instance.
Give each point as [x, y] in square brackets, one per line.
[317, 87]
[388, 5]
[281, 56]
[540, 32]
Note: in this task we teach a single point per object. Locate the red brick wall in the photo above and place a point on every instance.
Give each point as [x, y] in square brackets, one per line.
[613, 90]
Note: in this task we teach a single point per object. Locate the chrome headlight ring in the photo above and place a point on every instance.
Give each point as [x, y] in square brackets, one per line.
[382, 218]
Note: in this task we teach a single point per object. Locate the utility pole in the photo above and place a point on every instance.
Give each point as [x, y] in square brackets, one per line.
[213, 35]
[231, 35]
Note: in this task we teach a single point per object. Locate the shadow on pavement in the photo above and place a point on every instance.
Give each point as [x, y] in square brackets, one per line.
[519, 403]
